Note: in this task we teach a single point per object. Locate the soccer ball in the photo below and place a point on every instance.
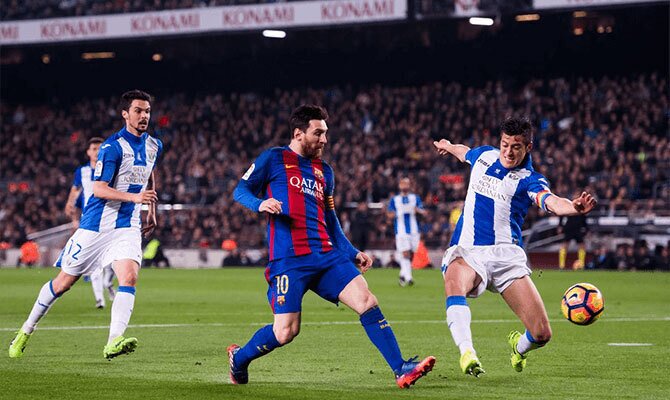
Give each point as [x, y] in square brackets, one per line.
[582, 304]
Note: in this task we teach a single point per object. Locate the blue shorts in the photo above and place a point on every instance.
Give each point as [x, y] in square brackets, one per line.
[326, 274]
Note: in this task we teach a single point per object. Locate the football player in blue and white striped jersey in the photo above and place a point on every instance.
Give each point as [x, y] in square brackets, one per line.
[486, 248]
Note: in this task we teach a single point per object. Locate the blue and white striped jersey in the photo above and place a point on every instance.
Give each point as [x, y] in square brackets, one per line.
[125, 161]
[497, 200]
[83, 179]
[405, 213]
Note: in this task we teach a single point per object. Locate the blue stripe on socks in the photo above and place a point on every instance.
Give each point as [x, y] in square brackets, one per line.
[127, 289]
[381, 335]
[456, 301]
[263, 342]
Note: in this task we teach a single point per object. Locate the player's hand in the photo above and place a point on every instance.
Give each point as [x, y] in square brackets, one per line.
[270, 206]
[584, 203]
[442, 146]
[363, 261]
[145, 197]
[151, 223]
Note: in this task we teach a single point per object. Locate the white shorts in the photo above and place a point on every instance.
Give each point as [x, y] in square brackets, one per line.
[498, 266]
[407, 242]
[86, 251]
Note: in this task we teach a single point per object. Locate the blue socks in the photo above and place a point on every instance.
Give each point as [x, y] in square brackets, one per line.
[263, 342]
[380, 333]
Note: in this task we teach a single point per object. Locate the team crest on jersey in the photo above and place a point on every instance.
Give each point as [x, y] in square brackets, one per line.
[98, 168]
[249, 172]
[318, 173]
[281, 300]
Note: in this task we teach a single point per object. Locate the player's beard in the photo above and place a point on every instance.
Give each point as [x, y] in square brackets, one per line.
[141, 128]
[313, 150]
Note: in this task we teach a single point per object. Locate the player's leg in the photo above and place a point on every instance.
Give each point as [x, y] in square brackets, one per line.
[524, 299]
[285, 293]
[403, 247]
[563, 254]
[108, 281]
[283, 330]
[97, 286]
[126, 271]
[459, 280]
[49, 293]
[357, 296]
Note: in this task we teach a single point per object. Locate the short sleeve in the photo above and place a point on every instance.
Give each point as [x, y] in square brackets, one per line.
[392, 204]
[77, 178]
[419, 203]
[109, 161]
[473, 154]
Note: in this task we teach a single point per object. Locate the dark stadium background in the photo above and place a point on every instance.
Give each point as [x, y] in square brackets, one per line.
[623, 42]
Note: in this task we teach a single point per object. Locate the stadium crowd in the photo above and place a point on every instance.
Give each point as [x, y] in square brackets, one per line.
[39, 9]
[609, 135]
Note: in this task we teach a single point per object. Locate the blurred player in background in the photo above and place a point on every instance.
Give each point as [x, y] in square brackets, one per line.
[110, 231]
[486, 250]
[403, 209]
[80, 193]
[308, 249]
[573, 227]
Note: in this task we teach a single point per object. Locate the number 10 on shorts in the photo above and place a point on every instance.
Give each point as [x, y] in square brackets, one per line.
[282, 284]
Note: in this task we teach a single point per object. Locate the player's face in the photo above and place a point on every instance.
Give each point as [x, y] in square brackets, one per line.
[137, 116]
[314, 138]
[513, 150]
[92, 152]
[403, 185]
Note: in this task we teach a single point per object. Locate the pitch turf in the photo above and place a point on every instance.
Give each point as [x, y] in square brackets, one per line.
[185, 319]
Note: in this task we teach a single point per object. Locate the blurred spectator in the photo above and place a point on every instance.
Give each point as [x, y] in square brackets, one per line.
[153, 254]
[360, 226]
[377, 133]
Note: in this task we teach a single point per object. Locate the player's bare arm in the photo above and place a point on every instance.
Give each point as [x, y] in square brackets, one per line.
[445, 147]
[102, 190]
[151, 222]
[270, 206]
[565, 207]
[71, 200]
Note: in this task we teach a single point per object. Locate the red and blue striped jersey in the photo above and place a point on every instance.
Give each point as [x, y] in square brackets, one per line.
[308, 223]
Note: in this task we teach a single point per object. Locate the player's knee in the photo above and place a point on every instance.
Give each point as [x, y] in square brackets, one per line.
[128, 279]
[407, 254]
[286, 334]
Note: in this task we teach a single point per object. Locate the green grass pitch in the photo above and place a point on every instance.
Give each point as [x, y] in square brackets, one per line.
[185, 319]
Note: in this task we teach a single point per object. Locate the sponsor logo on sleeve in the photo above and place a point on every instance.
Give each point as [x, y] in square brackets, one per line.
[98, 169]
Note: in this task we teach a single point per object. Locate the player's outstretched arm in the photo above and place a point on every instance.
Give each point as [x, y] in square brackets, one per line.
[562, 206]
[445, 147]
[102, 190]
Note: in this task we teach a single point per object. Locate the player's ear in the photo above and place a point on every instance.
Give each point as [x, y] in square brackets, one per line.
[297, 133]
[124, 114]
[529, 147]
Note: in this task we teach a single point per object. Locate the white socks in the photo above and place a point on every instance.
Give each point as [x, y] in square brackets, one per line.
[458, 319]
[405, 269]
[45, 300]
[96, 284]
[122, 309]
[527, 343]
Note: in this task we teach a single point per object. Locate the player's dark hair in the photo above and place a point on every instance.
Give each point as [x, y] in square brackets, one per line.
[301, 116]
[518, 126]
[135, 94]
[95, 140]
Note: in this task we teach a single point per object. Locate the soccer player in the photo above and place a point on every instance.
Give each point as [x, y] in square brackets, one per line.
[308, 249]
[486, 250]
[110, 230]
[573, 228]
[403, 209]
[80, 193]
